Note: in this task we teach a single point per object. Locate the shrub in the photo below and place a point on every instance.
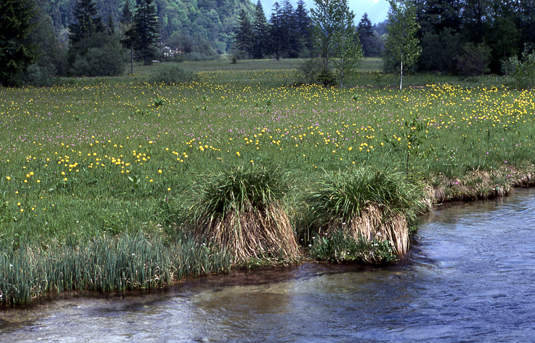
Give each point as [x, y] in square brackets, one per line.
[326, 77]
[509, 65]
[173, 74]
[108, 60]
[373, 205]
[475, 60]
[240, 209]
[524, 73]
[309, 69]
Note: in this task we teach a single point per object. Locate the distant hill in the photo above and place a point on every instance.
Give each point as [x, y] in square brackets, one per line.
[211, 21]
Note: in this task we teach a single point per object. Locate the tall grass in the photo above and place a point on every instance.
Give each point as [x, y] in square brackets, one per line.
[103, 264]
[240, 209]
[366, 205]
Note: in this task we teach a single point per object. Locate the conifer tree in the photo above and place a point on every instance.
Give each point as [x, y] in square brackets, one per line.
[278, 31]
[303, 25]
[244, 38]
[260, 32]
[146, 27]
[87, 23]
[16, 54]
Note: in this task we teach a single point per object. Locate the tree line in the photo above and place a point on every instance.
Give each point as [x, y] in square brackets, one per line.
[472, 37]
[289, 33]
[30, 52]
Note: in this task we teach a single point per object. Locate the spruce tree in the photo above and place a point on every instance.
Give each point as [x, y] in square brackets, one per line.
[278, 31]
[260, 32]
[303, 25]
[146, 28]
[16, 53]
[244, 39]
[87, 22]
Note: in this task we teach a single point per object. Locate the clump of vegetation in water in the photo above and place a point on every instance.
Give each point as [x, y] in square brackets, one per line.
[353, 212]
[240, 209]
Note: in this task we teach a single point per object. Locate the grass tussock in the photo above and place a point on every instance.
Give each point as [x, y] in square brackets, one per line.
[481, 184]
[240, 209]
[366, 205]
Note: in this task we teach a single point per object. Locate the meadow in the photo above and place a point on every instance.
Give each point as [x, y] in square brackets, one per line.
[92, 161]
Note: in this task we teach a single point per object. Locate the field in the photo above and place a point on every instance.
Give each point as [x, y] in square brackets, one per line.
[97, 159]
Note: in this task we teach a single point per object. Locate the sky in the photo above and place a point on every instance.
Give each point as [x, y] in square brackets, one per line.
[376, 9]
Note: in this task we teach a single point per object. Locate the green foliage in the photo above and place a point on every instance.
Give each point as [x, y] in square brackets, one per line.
[244, 37]
[401, 44]
[16, 52]
[238, 189]
[104, 264]
[339, 197]
[173, 75]
[107, 60]
[410, 140]
[475, 60]
[524, 73]
[333, 28]
[87, 22]
[48, 64]
[146, 28]
[351, 54]
[309, 69]
[341, 247]
[440, 51]
[260, 32]
[326, 77]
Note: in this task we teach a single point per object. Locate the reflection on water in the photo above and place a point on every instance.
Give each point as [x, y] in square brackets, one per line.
[469, 277]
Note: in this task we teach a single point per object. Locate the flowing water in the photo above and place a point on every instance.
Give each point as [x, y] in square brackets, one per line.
[469, 277]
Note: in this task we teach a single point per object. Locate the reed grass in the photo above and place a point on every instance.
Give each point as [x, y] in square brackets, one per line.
[103, 264]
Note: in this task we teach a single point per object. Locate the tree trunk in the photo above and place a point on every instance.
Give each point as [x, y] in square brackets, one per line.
[401, 74]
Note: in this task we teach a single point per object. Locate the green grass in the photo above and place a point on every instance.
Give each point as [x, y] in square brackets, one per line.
[118, 156]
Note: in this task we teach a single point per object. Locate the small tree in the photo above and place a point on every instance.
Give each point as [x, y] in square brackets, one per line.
[350, 54]
[336, 38]
[326, 20]
[401, 42]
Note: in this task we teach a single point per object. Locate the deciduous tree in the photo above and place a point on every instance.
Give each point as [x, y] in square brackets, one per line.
[401, 43]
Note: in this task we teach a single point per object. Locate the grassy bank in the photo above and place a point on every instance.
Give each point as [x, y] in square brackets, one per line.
[112, 159]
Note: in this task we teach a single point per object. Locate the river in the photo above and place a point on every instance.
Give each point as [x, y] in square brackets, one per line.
[469, 276]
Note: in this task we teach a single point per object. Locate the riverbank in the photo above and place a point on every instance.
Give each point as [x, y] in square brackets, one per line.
[106, 162]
